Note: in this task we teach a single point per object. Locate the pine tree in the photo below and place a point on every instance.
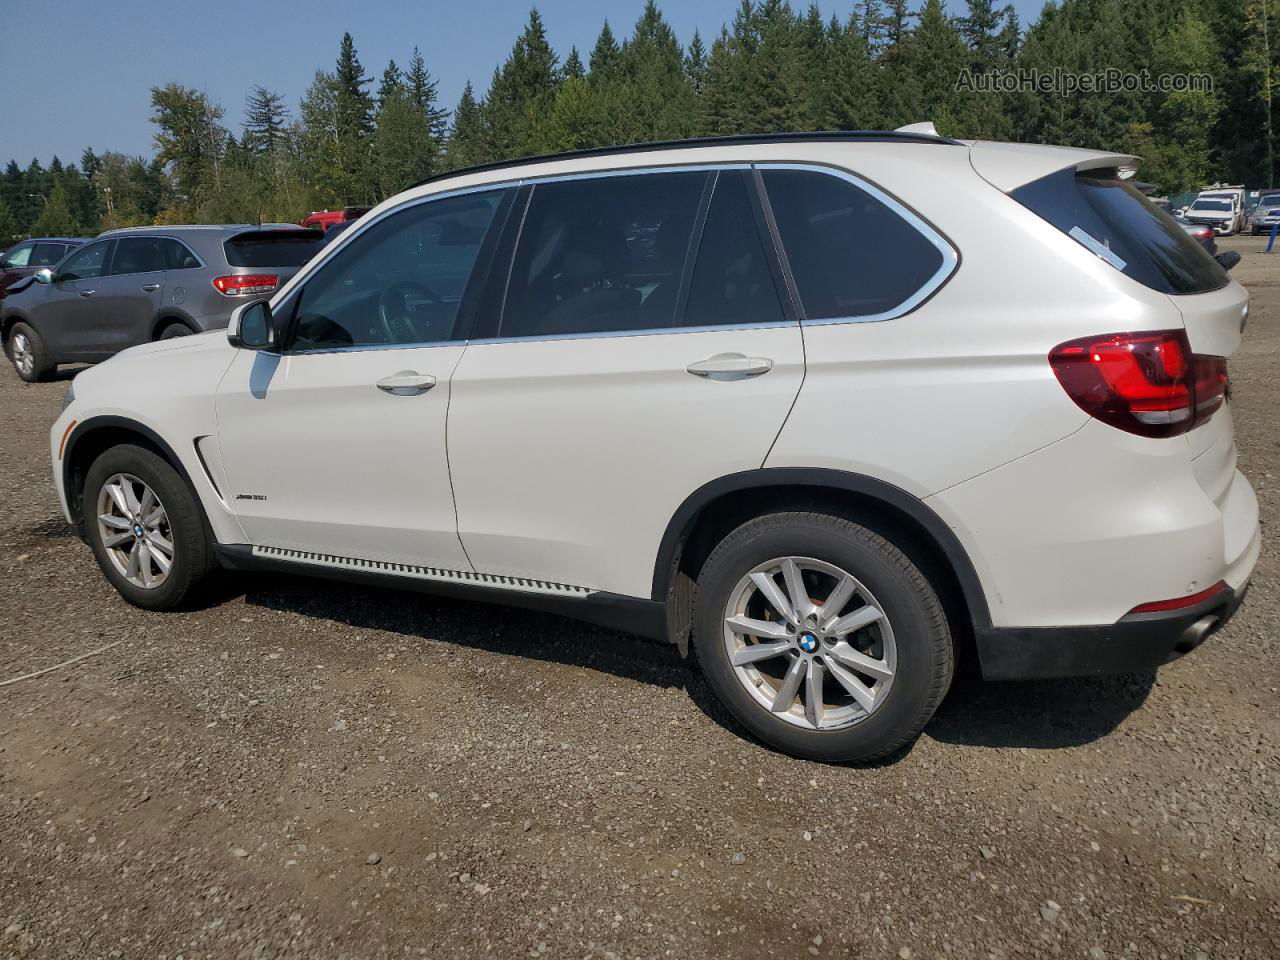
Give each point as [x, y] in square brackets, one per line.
[392, 81]
[573, 68]
[1187, 117]
[654, 99]
[521, 93]
[422, 91]
[403, 148]
[265, 120]
[606, 57]
[467, 141]
[353, 116]
[8, 225]
[695, 64]
[851, 97]
[55, 218]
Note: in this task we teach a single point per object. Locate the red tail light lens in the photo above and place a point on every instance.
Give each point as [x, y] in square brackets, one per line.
[1147, 383]
[239, 286]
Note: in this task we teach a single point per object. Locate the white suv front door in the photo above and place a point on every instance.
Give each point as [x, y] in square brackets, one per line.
[336, 447]
[643, 351]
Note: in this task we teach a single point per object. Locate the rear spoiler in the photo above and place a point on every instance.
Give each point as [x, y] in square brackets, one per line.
[1007, 166]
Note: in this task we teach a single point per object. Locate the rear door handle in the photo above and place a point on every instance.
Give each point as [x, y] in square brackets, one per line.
[730, 366]
[406, 383]
[150, 287]
[87, 293]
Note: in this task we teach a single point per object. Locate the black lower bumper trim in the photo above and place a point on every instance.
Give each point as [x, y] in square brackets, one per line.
[1136, 642]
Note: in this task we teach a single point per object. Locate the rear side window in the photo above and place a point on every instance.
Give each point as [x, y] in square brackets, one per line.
[851, 254]
[1107, 216]
[602, 255]
[138, 255]
[273, 248]
[732, 283]
[176, 255]
[47, 254]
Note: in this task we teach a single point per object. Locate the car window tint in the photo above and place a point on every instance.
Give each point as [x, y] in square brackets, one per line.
[138, 255]
[399, 281]
[19, 256]
[47, 254]
[850, 253]
[176, 255]
[273, 248]
[731, 283]
[602, 254]
[1109, 217]
[87, 262]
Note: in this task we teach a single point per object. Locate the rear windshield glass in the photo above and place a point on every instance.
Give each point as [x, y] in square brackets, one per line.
[1109, 217]
[273, 248]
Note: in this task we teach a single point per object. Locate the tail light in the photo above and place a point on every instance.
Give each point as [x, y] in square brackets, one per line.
[1146, 383]
[242, 285]
[1204, 234]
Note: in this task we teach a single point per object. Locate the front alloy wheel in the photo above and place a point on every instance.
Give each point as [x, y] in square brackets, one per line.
[135, 533]
[810, 643]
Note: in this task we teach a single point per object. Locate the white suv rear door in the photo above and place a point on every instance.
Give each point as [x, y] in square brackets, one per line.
[643, 347]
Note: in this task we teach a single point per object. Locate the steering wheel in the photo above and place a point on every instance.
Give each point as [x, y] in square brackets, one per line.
[394, 313]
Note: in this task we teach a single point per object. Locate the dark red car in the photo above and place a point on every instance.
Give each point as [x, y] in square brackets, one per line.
[25, 258]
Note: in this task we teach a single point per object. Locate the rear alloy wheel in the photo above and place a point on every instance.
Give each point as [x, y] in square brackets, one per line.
[27, 353]
[821, 637]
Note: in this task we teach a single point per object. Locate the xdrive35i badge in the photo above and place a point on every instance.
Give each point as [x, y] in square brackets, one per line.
[250, 496]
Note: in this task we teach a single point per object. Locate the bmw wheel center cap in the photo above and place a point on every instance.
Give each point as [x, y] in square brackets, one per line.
[808, 642]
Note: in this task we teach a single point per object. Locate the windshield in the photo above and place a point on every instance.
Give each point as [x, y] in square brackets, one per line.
[1109, 217]
[1270, 200]
[1211, 205]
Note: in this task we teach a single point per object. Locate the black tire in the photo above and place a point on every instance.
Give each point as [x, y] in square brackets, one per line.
[925, 652]
[175, 330]
[192, 555]
[41, 363]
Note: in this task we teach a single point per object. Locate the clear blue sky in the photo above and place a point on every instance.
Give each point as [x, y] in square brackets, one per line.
[78, 72]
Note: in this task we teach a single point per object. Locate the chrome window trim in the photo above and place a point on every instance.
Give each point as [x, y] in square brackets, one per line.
[950, 256]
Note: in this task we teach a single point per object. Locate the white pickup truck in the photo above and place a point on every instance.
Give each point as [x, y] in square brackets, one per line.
[1222, 208]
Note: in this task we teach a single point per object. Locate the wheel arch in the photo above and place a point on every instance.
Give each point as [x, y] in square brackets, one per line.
[92, 437]
[169, 316]
[720, 506]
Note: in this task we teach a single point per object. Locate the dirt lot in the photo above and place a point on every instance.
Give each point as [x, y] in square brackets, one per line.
[301, 769]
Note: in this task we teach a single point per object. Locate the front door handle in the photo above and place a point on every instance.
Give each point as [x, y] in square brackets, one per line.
[87, 293]
[730, 366]
[150, 287]
[407, 383]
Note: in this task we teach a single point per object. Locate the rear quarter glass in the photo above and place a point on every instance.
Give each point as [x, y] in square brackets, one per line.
[1111, 218]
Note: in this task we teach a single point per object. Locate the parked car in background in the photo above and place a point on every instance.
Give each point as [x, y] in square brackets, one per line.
[777, 397]
[1220, 212]
[138, 284]
[25, 258]
[325, 219]
[1204, 234]
[1266, 214]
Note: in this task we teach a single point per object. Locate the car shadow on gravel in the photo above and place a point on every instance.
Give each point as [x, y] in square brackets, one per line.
[1038, 714]
[1043, 714]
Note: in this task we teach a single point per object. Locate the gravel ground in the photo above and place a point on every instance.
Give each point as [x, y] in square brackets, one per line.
[302, 769]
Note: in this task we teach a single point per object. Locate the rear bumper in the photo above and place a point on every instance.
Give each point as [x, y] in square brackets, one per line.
[1136, 642]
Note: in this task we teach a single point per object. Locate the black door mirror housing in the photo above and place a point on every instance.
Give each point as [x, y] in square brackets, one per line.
[252, 327]
[1228, 259]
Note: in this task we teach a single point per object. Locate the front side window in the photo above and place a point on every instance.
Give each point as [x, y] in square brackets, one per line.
[851, 254]
[86, 263]
[18, 256]
[400, 281]
[602, 255]
[138, 255]
[47, 254]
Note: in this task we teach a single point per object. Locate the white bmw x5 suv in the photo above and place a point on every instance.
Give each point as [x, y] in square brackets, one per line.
[835, 409]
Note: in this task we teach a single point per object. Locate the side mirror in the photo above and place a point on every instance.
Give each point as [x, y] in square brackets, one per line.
[1228, 259]
[44, 275]
[252, 327]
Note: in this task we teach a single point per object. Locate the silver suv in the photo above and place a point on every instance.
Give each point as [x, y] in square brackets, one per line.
[139, 284]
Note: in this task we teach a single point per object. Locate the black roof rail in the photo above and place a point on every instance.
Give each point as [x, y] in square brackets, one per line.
[738, 139]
